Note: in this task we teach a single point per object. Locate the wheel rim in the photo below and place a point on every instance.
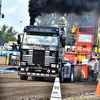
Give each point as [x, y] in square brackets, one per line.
[72, 77]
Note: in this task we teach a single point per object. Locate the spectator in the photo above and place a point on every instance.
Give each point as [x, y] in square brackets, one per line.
[14, 47]
[5, 47]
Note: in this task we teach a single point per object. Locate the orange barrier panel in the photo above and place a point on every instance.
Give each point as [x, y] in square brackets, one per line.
[98, 89]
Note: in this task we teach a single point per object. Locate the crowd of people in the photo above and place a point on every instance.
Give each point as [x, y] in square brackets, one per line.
[14, 47]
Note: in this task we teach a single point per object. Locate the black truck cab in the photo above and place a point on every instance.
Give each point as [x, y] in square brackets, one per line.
[41, 53]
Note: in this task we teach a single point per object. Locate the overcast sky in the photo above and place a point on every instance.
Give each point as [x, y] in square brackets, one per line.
[15, 11]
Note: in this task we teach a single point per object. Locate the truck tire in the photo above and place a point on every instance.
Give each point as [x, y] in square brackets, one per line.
[23, 77]
[62, 75]
[77, 73]
[71, 79]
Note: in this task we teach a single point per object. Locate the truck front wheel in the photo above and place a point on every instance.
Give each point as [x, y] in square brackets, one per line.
[23, 77]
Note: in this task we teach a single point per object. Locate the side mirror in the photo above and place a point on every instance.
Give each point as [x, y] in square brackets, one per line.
[19, 39]
[61, 38]
[63, 41]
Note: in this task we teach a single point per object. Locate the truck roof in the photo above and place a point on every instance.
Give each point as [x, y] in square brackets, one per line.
[86, 29]
[41, 29]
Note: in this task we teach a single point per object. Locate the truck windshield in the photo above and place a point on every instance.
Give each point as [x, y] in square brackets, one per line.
[40, 40]
[84, 38]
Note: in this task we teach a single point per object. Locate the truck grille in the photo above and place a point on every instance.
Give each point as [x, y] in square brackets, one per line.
[27, 57]
[38, 57]
[41, 57]
[49, 60]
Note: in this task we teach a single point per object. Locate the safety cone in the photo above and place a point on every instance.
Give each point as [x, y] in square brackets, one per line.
[56, 92]
[98, 89]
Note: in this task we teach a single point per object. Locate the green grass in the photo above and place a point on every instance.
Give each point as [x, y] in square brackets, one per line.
[95, 97]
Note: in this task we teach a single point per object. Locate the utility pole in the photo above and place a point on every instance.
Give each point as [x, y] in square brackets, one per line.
[0, 6]
[1, 14]
[20, 26]
[98, 38]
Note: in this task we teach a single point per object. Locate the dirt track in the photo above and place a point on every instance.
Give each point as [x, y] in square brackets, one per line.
[12, 88]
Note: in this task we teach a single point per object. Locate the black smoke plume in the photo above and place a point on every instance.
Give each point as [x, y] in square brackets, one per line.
[37, 7]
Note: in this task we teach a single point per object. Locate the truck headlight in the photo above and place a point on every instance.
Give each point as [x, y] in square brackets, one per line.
[53, 71]
[53, 65]
[23, 63]
[22, 69]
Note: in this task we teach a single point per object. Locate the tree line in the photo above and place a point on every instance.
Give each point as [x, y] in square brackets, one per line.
[7, 33]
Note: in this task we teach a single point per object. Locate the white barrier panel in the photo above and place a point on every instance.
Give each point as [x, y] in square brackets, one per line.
[56, 92]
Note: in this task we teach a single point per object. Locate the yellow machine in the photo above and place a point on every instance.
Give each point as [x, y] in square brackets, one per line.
[12, 57]
[74, 30]
[97, 49]
[12, 42]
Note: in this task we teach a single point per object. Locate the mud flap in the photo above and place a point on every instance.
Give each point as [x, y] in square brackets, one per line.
[84, 72]
[77, 73]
